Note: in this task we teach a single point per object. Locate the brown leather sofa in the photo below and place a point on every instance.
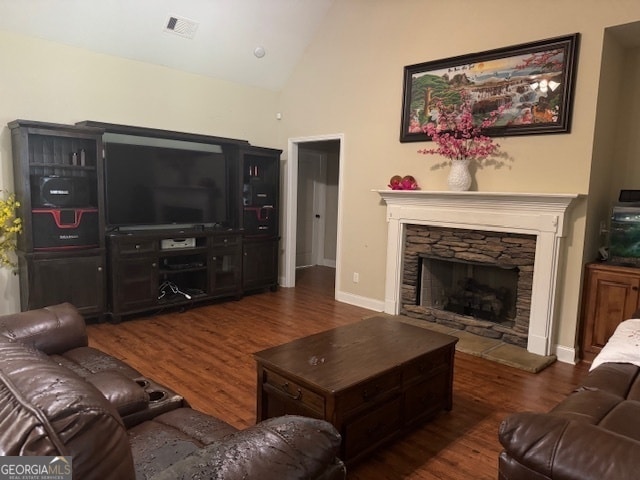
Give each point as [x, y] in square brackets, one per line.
[61, 397]
[594, 433]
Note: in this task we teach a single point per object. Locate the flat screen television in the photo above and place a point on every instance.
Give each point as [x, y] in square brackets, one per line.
[176, 184]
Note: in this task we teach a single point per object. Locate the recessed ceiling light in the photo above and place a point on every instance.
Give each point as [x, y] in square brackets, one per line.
[259, 52]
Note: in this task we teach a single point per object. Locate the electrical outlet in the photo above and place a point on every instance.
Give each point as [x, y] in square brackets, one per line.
[356, 277]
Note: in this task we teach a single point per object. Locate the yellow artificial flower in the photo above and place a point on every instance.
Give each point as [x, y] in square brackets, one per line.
[10, 227]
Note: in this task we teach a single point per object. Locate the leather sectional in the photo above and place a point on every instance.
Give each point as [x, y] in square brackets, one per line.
[594, 433]
[61, 397]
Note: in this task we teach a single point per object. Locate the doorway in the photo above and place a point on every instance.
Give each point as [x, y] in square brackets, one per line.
[312, 213]
[312, 198]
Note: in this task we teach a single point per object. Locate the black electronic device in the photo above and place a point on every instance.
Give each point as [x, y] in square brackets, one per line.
[58, 228]
[632, 196]
[55, 191]
[258, 194]
[160, 186]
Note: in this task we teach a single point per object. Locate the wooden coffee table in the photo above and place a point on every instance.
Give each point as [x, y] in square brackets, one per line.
[372, 380]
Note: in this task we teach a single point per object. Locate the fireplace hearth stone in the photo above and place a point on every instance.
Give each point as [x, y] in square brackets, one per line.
[488, 348]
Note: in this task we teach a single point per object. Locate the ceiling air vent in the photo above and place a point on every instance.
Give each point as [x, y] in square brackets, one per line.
[181, 26]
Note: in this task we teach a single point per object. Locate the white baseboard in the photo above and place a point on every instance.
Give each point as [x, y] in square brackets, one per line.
[358, 301]
[565, 354]
[327, 262]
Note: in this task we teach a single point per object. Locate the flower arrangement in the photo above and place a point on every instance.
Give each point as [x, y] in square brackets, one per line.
[456, 136]
[10, 227]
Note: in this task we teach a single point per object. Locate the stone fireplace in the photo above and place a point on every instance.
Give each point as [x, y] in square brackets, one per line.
[478, 281]
[483, 262]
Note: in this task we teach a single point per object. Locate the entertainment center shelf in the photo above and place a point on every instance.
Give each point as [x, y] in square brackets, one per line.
[157, 269]
[121, 220]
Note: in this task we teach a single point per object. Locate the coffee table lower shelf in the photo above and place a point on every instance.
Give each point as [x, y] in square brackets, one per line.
[387, 397]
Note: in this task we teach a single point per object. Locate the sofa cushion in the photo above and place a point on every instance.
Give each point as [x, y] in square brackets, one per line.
[167, 438]
[615, 378]
[289, 447]
[87, 360]
[588, 406]
[48, 410]
[51, 330]
[624, 419]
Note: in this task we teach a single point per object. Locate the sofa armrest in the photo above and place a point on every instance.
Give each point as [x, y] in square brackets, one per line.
[563, 449]
[290, 447]
[52, 330]
[126, 395]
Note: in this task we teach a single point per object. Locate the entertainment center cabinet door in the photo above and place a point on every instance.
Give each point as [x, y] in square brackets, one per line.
[260, 264]
[77, 279]
[134, 275]
[225, 266]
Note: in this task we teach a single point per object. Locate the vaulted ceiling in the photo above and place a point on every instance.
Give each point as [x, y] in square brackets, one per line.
[217, 38]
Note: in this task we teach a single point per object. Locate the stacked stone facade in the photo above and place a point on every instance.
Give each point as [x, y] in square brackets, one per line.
[479, 247]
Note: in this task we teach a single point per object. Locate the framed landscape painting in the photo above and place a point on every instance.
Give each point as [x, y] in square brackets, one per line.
[532, 85]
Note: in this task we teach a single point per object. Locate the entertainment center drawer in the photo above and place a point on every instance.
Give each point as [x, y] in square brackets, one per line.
[128, 247]
[291, 392]
[225, 240]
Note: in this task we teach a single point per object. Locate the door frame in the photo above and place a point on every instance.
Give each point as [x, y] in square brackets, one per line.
[291, 207]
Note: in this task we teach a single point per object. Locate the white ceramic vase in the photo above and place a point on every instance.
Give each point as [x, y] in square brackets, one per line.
[459, 177]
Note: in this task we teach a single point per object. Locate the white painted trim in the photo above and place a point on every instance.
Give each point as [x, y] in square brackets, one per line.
[359, 301]
[291, 214]
[566, 354]
[528, 213]
[328, 262]
[291, 207]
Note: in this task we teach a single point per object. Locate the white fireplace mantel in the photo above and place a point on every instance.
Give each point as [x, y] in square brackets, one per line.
[537, 214]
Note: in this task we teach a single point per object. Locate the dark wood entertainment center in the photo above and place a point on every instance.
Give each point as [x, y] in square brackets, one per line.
[68, 251]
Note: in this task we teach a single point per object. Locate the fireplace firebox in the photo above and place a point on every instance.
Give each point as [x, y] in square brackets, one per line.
[478, 281]
[487, 292]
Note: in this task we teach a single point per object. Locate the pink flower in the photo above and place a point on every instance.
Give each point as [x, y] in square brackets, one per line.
[456, 136]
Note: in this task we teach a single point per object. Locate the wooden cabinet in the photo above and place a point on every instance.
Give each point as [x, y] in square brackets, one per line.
[260, 187]
[610, 296]
[58, 182]
[43, 281]
[260, 263]
[133, 275]
[154, 269]
[225, 266]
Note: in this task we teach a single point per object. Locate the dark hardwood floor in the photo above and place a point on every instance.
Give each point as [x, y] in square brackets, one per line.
[205, 354]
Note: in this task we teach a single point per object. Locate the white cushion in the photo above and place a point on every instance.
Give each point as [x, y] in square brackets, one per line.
[623, 346]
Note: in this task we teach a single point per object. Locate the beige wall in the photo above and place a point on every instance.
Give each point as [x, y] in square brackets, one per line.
[49, 82]
[350, 81]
